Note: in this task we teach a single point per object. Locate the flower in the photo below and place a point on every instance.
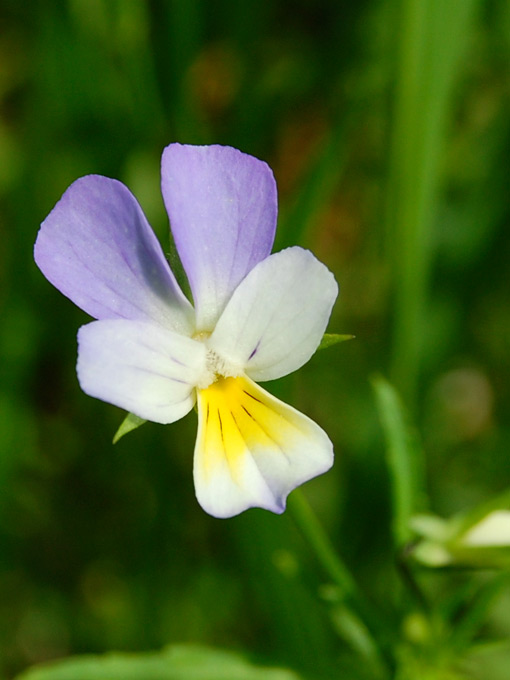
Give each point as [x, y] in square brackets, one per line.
[479, 537]
[256, 317]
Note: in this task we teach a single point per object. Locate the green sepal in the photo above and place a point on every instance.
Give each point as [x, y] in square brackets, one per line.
[130, 422]
[329, 339]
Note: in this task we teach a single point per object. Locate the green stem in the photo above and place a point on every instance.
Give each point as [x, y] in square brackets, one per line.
[352, 598]
[432, 37]
[312, 529]
[469, 625]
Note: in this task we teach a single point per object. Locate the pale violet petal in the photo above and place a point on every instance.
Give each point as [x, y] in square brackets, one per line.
[222, 206]
[277, 316]
[98, 249]
[252, 450]
[143, 368]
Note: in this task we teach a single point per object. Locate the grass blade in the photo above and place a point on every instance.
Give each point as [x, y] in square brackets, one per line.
[404, 460]
[432, 39]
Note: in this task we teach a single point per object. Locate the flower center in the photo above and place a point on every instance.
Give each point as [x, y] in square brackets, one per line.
[216, 366]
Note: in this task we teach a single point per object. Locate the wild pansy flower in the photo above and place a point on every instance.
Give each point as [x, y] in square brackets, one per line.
[256, 317]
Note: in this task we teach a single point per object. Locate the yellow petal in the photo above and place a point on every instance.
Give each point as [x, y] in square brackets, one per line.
[253, 449]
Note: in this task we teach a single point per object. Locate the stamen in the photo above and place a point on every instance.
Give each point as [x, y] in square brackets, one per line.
[216, 367]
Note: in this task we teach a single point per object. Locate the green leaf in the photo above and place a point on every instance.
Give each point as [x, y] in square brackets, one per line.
[404, 459]
[329, 339]
[178, 662]
[430, 39]
[130, 422]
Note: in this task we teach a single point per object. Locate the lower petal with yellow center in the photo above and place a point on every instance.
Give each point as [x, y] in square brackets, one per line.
[252, 449]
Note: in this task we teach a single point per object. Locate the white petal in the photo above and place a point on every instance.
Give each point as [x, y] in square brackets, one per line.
[277, 315]
[493, 530]
[143, 368]
[252, 450]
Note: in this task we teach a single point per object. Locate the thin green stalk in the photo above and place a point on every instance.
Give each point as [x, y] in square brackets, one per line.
[367, 628]
[432, 36]
[468, 626]
[313, 531]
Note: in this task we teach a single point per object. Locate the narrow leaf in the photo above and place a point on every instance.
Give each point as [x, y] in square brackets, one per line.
[329, 339]
[431, 39]
[130, 422]
[404, 460]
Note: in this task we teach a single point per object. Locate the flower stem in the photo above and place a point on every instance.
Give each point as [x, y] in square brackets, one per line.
[350, 595]
[312, 529]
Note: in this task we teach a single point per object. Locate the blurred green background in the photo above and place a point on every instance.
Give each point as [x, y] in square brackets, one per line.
[387, 125]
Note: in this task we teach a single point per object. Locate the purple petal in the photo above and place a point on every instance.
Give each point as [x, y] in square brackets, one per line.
[222, 206]
[98, 249]
[143, 368]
